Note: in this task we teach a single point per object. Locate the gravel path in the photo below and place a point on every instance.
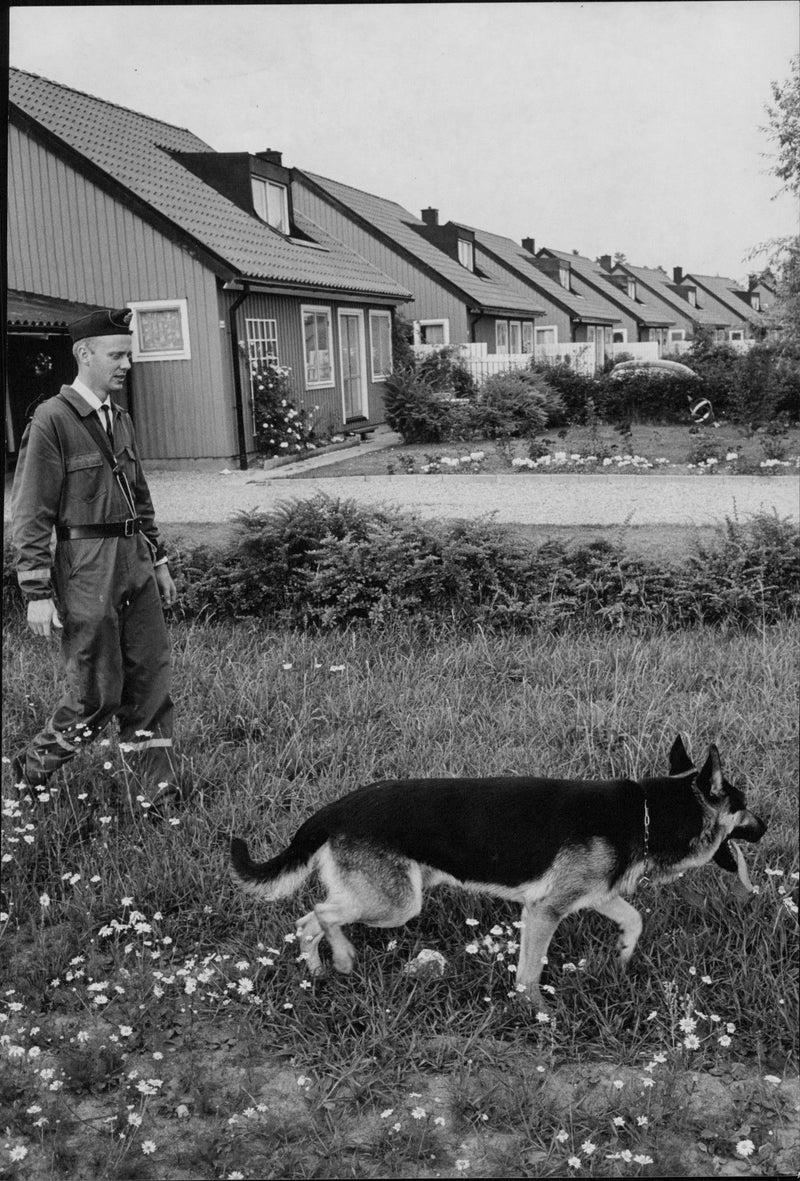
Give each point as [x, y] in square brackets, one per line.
[516, 498]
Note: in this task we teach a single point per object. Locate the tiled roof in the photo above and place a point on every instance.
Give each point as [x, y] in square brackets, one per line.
[729, 293]
[661, 281]
[651, 312]
[133, 150]
[582, 303]
[398, 225]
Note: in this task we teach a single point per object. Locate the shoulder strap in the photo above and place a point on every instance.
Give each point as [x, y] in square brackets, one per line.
[91, 423]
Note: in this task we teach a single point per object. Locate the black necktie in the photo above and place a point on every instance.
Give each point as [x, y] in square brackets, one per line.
[107, 423]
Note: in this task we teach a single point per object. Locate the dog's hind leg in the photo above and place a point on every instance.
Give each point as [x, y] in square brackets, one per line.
[629, 922]
[309, 934]
[539, 922]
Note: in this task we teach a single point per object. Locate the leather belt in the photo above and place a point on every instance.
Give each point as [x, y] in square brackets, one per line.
[116, 529]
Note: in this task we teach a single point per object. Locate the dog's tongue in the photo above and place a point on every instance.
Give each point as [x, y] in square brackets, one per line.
[742, 887]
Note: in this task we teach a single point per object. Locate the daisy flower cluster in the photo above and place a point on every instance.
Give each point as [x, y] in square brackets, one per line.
[574, 461]
[472, 463]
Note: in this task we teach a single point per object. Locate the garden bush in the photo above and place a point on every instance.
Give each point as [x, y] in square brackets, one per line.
[418, 409]
[516, 404]
[325, 562]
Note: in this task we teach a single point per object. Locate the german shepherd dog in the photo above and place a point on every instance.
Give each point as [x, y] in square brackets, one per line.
[554, 845]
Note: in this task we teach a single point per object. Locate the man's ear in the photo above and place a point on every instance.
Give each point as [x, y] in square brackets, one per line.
[679, 761]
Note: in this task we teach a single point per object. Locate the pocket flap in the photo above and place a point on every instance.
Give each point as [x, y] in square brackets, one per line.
[76, 463]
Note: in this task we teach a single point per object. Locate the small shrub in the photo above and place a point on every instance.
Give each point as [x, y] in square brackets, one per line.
[574, 389]
[516, 404]
[417, 409]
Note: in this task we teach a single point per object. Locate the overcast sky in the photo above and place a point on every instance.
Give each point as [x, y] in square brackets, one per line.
[601, 127]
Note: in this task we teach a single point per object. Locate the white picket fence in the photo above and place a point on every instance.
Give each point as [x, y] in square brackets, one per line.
[580, 357]
[683, 346]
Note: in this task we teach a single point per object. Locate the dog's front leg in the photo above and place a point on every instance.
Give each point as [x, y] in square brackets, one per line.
[539, 921]
[629, 922]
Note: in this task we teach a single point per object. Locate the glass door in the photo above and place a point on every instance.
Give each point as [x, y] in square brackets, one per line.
[354, 364]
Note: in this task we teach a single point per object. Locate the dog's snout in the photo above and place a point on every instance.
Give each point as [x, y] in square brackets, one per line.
[749, 828]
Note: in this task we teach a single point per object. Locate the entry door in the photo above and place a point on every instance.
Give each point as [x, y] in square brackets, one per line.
[354, 365]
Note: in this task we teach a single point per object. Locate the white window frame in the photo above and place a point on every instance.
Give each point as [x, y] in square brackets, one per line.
[375, 317]
[501, 347]
[755, 301]
[420, 324]
[736, 334]
[677, 334]
[528, 337]
[260, 188]
[515, 329]
[622, 333]
[161, 305]
[691, 295]
[316, 310]
[546, 328]
[466, 253]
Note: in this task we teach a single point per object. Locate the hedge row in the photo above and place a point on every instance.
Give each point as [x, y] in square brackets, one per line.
[327, 563]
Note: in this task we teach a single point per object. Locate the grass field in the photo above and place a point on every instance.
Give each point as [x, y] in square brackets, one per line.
[672, 443]
[159, 1025]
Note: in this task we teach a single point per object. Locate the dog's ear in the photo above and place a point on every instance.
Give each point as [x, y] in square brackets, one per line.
[710, 779]
[679, 761]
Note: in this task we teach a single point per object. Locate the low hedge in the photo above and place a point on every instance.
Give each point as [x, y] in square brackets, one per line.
[327, 563]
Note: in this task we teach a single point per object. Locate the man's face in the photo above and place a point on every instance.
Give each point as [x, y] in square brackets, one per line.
[106, 364]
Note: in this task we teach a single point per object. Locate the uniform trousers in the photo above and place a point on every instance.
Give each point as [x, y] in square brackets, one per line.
[116, 651]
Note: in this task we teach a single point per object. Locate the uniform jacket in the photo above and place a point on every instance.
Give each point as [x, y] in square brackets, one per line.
[63, 479]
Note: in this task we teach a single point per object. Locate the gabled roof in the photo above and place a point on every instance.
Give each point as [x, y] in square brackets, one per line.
[132, 151]
[660, 282]
[395, 225]
[729, 293]
[650, 312]
[581, 304]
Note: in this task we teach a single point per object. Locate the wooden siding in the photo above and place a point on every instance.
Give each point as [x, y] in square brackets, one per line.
[68, 239]
[553, 314]
[432, 300]
[287, 313]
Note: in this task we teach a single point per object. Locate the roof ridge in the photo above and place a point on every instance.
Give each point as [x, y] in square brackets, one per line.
[105, 101]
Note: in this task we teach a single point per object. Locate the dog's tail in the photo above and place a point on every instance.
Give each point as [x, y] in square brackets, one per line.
[277, 878]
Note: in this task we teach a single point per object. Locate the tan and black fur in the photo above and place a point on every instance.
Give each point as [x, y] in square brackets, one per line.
[555, 846]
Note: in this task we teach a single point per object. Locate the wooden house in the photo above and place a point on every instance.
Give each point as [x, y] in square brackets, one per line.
[108, 207]
[574, 312]
[643, 317]
[455, 300]
[691, 309]
[748, 321]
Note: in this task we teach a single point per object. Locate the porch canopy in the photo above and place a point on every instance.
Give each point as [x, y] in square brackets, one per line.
[40, 313]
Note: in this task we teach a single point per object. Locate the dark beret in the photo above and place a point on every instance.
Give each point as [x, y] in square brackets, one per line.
[106, 322]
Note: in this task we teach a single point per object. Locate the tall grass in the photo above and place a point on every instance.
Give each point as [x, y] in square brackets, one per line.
[272, 724]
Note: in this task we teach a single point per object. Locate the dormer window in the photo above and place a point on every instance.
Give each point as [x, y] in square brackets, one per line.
[755, 301]
[631, 285]
[691, 295]
[466, 254]
[271, 203]
[563, 277]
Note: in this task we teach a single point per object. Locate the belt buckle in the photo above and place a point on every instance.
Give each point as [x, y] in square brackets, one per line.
[129, 527]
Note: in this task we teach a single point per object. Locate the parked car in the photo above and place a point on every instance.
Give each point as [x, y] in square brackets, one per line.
[656, 368]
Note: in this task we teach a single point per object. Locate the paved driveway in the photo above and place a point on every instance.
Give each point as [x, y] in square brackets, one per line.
[520, 499]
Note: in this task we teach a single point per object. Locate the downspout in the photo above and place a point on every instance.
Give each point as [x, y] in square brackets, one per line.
[237, 377]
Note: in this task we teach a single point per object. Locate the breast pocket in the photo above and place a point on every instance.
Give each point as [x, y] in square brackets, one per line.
[85, 476]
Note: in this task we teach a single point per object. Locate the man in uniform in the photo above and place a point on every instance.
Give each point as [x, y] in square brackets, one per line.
[78, 471]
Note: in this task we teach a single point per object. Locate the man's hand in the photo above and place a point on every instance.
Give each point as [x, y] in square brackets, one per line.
[166, 586]
[42, 615]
